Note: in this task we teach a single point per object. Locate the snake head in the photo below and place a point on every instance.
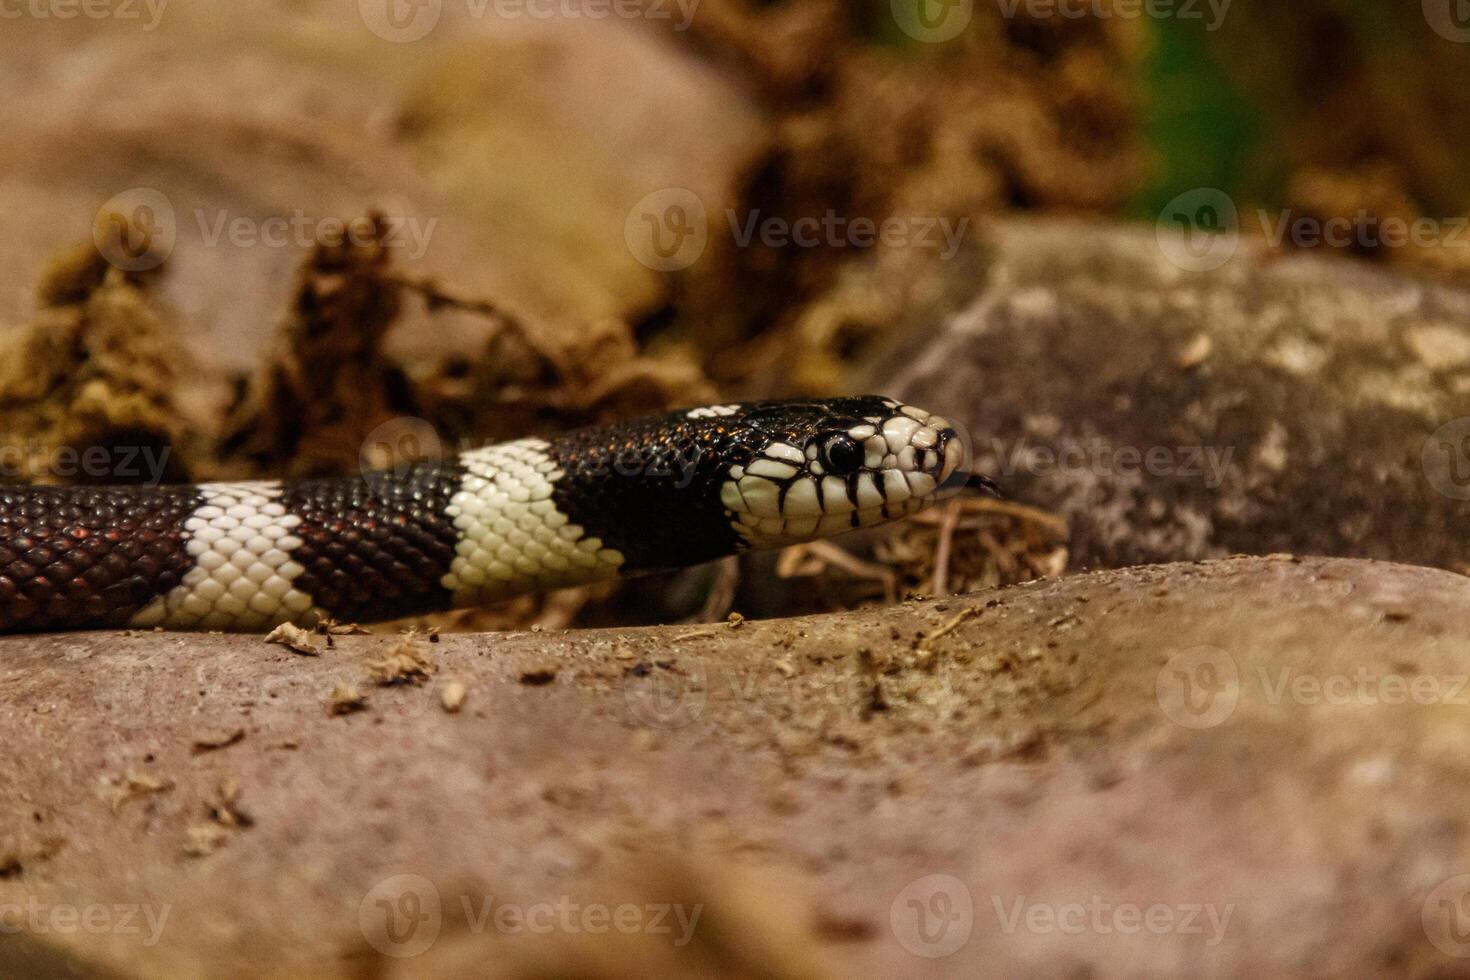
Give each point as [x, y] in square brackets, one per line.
[820, 468]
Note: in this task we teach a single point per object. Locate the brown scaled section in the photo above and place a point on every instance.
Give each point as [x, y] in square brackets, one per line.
[84, 557]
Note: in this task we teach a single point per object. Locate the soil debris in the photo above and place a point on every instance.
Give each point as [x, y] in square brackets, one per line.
[295, 639]
[217, 740]
[452, 697]
[406, 662]
[345, 699]
[117, 790]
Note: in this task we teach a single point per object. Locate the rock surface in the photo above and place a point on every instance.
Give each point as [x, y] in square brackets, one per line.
[1178, 404]
[509, 153]
[1242, 767]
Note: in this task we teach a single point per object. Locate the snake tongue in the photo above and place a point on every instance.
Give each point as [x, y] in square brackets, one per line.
[975, 483]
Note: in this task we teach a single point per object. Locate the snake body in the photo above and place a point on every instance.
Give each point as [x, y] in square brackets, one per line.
[535, 514]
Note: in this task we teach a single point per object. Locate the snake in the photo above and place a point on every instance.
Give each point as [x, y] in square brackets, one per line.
[649, 494]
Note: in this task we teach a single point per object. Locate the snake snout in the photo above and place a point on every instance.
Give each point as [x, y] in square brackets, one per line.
[953, 454]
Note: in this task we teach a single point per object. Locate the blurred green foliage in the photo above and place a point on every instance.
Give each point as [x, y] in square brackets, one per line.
[1200, 130]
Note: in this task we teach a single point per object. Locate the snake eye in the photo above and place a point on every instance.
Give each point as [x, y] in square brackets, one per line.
[841, 455]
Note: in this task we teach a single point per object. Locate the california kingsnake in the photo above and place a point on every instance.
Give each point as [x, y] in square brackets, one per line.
[653, 493]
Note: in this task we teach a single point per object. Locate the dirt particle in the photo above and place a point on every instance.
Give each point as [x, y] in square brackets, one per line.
[1195, 353]
[345, 699]
[406, 663]
[538, 676]
[451, 697]
[203, 839]
[295, 639]
[117, 790]
[224, 807]
[218, 740]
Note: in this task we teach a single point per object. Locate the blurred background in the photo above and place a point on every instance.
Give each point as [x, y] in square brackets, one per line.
[1192, 273]
[331, 228]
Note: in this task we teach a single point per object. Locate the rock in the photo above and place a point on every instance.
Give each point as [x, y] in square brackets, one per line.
[1268, 404]
[510, 155]
[1253, 766]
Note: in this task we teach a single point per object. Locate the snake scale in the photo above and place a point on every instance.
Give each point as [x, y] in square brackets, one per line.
[654, 493]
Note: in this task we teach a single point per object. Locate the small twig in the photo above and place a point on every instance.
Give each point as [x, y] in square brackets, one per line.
[949, 627]
[943, 546]
[438, 298]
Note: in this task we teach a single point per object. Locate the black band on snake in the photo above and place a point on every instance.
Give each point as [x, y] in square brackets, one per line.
[649, 494]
